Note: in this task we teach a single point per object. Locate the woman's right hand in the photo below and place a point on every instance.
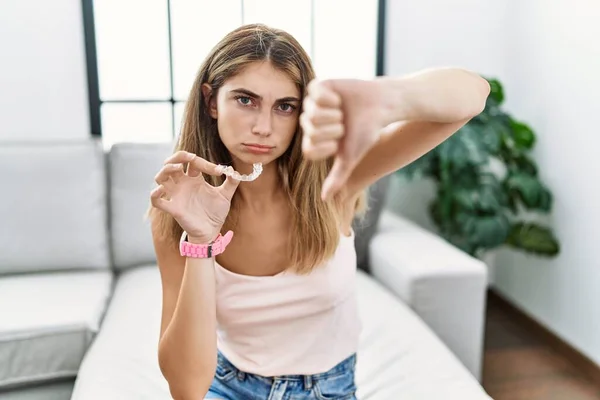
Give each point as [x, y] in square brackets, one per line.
[198, 207]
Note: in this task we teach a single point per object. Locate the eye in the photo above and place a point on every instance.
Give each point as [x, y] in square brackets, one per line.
[244, 100]
[287, 107]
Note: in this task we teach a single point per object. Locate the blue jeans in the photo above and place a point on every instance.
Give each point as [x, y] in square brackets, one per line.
[232, 384]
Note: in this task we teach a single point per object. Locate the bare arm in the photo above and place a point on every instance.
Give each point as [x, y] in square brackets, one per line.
[187, 346]
[421, 111]
[345, 118]
[444, 95]
[187, 350]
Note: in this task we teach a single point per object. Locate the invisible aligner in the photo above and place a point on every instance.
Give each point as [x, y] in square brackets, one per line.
[256, 171]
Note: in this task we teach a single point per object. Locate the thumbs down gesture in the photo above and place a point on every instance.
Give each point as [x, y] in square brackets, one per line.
[341, 118]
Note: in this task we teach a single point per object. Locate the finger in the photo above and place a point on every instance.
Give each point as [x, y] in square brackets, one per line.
[229, 187]
[326, 116]
[319, 151]
[199, 164]
[340, 171]
[157, 199]
[168, 172]
[318, 115]
[307, 127]
[180, 157]
[322, 94]
[196, 164]
[326, 133]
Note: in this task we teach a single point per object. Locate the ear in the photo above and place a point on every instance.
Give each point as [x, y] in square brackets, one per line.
[210, 101]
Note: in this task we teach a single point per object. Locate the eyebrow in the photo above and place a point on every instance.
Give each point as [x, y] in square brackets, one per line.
[252, 94]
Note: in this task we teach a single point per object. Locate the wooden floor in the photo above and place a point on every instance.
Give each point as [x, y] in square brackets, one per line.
[520, 366]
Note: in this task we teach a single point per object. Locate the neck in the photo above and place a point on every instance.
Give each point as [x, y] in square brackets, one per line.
[263, 191]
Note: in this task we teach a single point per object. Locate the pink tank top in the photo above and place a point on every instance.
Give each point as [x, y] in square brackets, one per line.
[290, 324]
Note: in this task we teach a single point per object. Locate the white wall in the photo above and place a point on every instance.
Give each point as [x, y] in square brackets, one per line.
[553, 85]
[546, 55]
[43, 78]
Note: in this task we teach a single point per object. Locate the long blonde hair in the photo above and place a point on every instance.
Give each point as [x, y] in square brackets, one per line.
[315, 225]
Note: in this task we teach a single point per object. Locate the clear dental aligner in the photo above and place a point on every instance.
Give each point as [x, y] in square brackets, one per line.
[229, 171]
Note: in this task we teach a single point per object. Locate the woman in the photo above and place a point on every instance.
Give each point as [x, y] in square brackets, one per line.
[271, 311]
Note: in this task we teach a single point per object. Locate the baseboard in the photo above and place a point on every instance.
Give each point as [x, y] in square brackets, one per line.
[579, 360]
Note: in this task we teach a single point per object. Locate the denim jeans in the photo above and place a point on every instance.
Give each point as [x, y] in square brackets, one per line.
[232, 384]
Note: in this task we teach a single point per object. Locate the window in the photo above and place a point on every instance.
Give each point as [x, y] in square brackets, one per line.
[142, 55]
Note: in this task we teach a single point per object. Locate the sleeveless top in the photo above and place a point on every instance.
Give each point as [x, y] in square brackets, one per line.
[290, 324]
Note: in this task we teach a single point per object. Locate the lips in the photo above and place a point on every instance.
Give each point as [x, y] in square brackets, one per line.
[258, 146]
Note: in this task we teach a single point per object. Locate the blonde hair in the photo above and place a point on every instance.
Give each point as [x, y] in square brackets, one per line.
[315, 224]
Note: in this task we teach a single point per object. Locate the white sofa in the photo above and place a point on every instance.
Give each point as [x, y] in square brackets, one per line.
[80, 290]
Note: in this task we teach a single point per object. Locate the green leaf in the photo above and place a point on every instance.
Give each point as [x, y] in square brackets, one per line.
[491, 134]
[523, 164]
[513, 205]
[435, 212]
[464, 148]
[485, 196]
[448, 229]
[445, 209]
[486, 231]
[464, 177]
[491, 111]
[496, 90]
[523, 136]
[529, 190]
[493, 192]
[533, 238]
[439, 212]
[545, 201]
[467, 199]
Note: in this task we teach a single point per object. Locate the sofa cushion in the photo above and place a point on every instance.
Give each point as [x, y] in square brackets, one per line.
[122, 363]
[132, 170]
[53, 206]
[48, 321]
[59, 390]
[399, 357]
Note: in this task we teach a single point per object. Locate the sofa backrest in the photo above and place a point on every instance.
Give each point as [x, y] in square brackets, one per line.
[53, 212]
[132, 168]
[57, 212]
[366, 227]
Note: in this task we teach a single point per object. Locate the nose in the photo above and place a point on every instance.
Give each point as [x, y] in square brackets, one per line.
[263, 125]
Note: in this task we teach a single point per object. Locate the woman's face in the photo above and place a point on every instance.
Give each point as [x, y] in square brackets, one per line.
[257, 113]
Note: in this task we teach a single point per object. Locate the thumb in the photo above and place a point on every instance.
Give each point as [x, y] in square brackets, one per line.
[229, 187]
[340, 171]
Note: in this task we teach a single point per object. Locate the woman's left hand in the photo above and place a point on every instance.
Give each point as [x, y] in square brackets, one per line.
[341, 118]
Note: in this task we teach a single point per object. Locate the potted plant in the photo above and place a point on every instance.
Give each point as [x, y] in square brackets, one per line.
[488, 186]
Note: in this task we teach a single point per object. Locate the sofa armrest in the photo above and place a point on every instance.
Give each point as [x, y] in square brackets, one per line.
[443, 285]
